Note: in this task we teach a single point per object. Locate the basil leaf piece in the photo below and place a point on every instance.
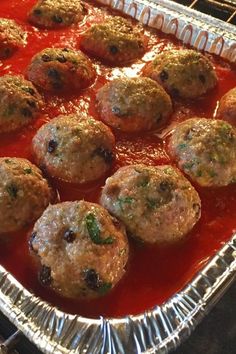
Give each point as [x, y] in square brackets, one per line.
[94, 231]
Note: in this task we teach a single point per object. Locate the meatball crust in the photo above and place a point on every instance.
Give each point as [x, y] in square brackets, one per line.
[227, 107]
[12, 37]
[184, 73]
[134, 105]
[205, 149]
[115, 40]
[56, 13]
[74, 148]
[20, 102]
[156, 204]
[82, 249]
[24, 193]
[56, 69]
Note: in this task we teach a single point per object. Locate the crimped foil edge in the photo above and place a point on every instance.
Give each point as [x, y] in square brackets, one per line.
[199, 30]
[156, 331]
[161, 329]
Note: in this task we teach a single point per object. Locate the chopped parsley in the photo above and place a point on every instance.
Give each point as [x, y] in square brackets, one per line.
[182, 146]
[188, 165]
[122, 201]
[95, 232]
[144, 182]
[152, 203]
[104, 288]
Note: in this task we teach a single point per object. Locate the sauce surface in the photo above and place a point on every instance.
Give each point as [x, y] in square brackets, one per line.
[153, 273]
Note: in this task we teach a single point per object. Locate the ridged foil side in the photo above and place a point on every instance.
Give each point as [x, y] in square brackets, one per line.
[156, 331]
[190, 26]
[164, 327]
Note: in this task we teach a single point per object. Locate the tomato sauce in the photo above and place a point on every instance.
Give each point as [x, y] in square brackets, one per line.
[153, 273]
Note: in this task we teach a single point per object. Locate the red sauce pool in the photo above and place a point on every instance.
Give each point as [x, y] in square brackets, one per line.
[153, 273]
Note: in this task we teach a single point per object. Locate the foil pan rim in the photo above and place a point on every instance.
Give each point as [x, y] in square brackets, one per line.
[162, 328]
[156, 331]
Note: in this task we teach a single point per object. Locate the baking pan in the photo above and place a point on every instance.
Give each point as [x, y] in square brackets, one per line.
[162, 328]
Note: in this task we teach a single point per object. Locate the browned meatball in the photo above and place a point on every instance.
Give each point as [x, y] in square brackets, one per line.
[12, 37]
[56, 13]
[156, 204]
[82, 249]
[56, 69]
[24, 193]
[115, 40]
[205, 149]
[74, 148]
[20, 102]
[184, 73]
[227, 107]
[134, 105]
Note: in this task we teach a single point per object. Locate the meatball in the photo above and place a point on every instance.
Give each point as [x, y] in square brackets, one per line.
[134, 105]
[184, 73]
[12, 37]
[56, 13]
[20, 102]
[82, 249]
[55, 69]
[24, 193]
[115, 40]
[156, 204]
[205, 149]
[74, 148]
[227, 107]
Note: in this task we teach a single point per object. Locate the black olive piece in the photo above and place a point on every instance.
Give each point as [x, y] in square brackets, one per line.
[91, 279]
[107, 155]
[117, 111]
[26, 112]
[57, 19]
[37, 12]
[46, 58]
[52, 145]
[45, 277]
[165, 186]
[164, 75]
[31, 239]
[69, 236]
[202, 78]
[113, 49]
[159, 118]
[12, 190]
[65, 50]
[54, 74]
[31, 103]
[61, 59]
[175, 92]
[197, 209]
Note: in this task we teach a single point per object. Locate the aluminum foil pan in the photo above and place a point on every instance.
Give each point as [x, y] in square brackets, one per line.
[162, 328]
